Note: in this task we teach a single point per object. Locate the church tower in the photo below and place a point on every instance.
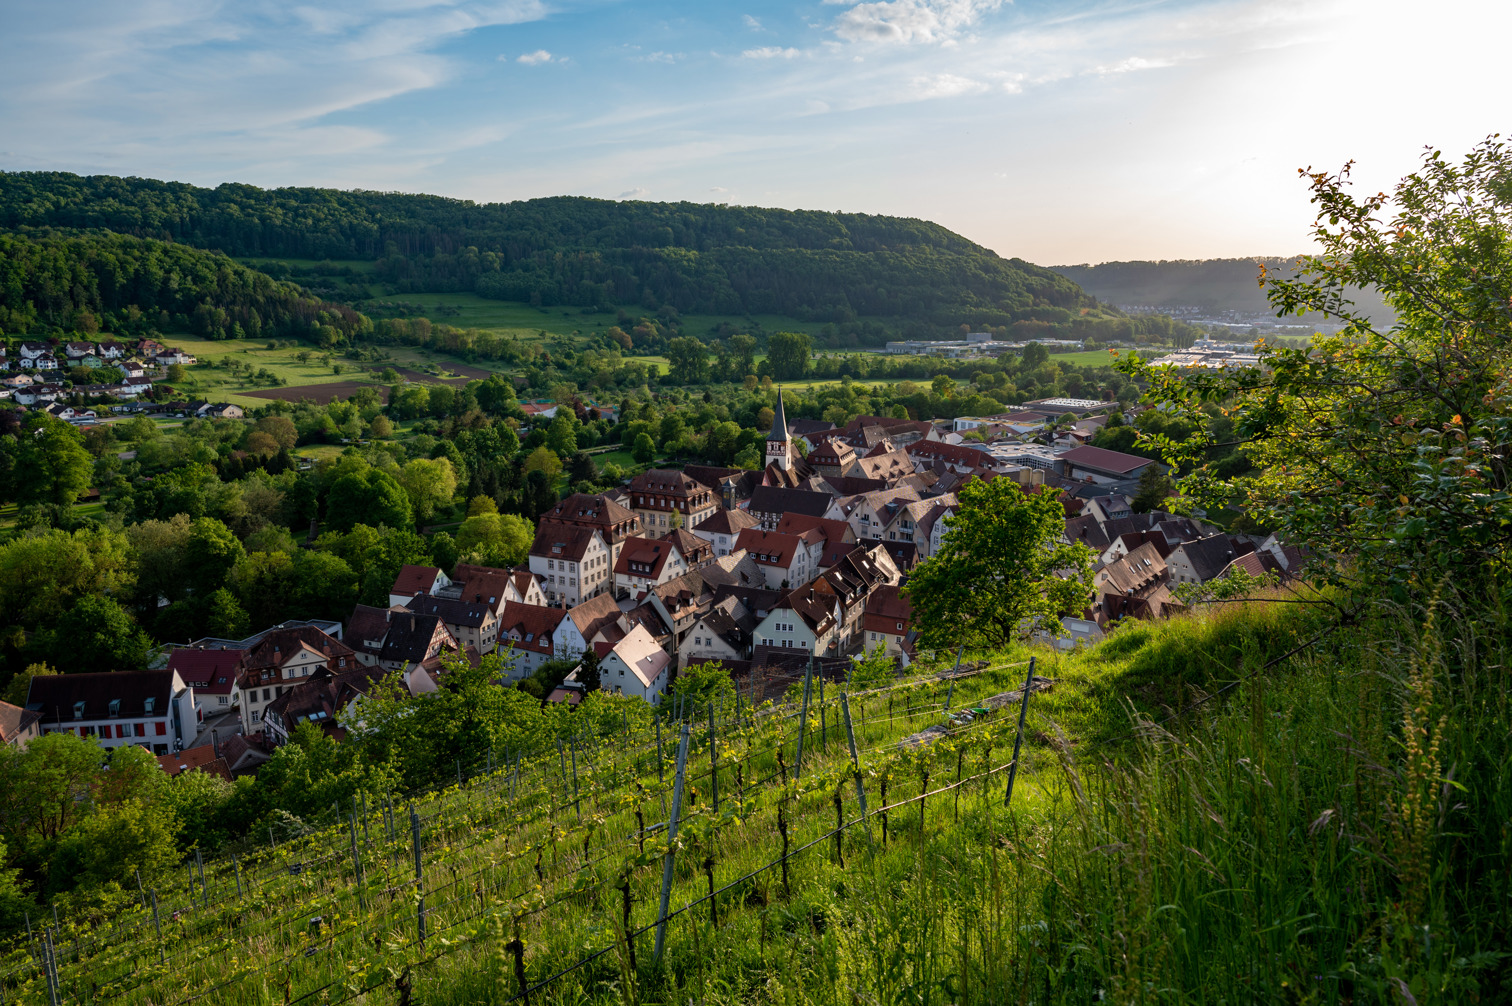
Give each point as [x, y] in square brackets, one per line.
[779, 448]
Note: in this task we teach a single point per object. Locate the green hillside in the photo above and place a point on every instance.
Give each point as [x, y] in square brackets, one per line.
[1262, 842]
[696, 258]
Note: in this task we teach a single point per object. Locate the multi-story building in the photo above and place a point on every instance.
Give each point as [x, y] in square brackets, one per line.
[281, 659]
[152, 709]
[572, 563]
[665, 499]
[612, 521]
[645, 563]
[723, 528]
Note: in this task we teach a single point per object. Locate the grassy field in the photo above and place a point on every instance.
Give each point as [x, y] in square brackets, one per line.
[1092, 358]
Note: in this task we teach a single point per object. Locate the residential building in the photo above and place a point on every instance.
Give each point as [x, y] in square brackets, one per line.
[721, 530]
[212, 675]
[326, 699]
[695, 550]
[572, 562]
[613, 522]
[666, 499]
[1204, 559]
[281, 659]
[723, 632]
[645, 563]
[1103, 467]
[471, 624]
[888, 621]
[493, 586]
[414, 580]
[204, 758]
[636, 666]
[152, 709]
[803, 621]
[1135, 586]
[18, 725]
[785, 559]
[534, 634]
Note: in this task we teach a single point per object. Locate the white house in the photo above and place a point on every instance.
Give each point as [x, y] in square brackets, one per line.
[645, 563]
[723, 528]
[636, 666]
[153, 709]
[572, 563]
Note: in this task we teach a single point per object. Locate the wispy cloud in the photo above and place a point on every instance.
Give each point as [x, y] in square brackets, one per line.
[911, 20]
[636, 193]
[947, 85]
[752, 23]
[534, 58]
[1132, 64]
[772, 52]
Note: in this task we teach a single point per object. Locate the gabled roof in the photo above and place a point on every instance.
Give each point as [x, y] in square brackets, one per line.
[414, 580]
[726, 522]
[1208, 556]
[770, 548]
[14, 720]
[1088, 531]
[885, 608]
[595, 510]
[1131, 574]
[816, 609]
[596, 615]
[410, 637]
[891, 465]
[835, 532]
[666, 480]
[208, 672]
[644, 557]
[771, 499]
[563, 541]
[808, 427]
[199, 759]
[276, 647]
[642, 655]
[534, 624]
[367, 626]
[452, 611]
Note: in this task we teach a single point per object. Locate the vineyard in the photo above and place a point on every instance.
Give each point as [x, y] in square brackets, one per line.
[649, 854]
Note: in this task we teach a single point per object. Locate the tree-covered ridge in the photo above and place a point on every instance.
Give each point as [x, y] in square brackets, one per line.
[57, 278]
[575, 250]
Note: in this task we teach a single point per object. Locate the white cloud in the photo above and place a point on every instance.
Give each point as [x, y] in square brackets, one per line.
[772, 52]
[718, 188]
[754, 24]
[947, 85]
[1134, 63]
[636, 193]
[533, 58]
[911, 20]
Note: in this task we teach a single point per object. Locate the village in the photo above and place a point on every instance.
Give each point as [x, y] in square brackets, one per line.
[763, 573]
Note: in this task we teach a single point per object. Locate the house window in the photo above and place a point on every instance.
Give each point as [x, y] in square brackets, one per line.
[223, 700]
[115, 708]
[140, 729]
[78, 710]
[148, 705]
[162, 729]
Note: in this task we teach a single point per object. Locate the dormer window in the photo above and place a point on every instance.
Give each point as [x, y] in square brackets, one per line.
[78, 710]
[148, 705]
[115, 708]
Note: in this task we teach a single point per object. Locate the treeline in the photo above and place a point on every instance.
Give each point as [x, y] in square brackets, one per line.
[131, 285]
[811, 265]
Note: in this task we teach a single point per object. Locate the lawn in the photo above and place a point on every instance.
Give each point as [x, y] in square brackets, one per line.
[1091, 358]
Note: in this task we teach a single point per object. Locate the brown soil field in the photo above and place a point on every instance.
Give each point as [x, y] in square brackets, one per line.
[322, 394]
[418, 377]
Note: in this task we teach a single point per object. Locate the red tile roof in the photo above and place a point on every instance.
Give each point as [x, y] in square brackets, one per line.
[769, 548]
[414, 580]
[1103, 459]
[211, 672]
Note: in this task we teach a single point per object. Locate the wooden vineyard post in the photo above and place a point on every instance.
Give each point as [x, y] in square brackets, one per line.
[50, 967]
[199, 861]
[713, 760]
[366, 838]
[140, 890]
[236, 868]
[357, 861]
[1018, 739]
[157, 925]
[661, 767]
[419, 877]
[808, 686]
[850, 736]
[667, 865]
[576, 803]
[823, 717]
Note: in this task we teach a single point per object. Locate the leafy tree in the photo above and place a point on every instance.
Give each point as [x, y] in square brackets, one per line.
[444, 552]
[371, 498]
[262, 583]
[481, 505]
[96, 634]
[1001, 570]
[580, 468]
[788, 355]
[1155, 486]
[742, 357]
[42, 574]
[688, 361]
[1380, 451]
[209, 553]
[1033, 357]
[701, 684]
[324, 586]
[874, 670]
[492, 539]
[430, 485]
[20, 685]
[281, 429]
[561, 435]
[644, 449]
[52, 464]
[46, 787]
[545, 461]
[381, 428]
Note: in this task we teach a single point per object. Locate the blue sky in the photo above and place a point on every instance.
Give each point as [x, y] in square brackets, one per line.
[1054, 131]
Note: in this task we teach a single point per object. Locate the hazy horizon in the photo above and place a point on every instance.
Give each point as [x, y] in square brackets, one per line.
[1057, 133]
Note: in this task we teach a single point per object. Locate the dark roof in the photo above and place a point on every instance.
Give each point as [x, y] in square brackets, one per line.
[1208, 556]
[905, 554]
[410, 635]
[852, 485]
[1103, 459]
[209, 671]
[666, 481]
[726, 522]
[534, 623]
[55, 695]
[595, 615]
[771, 499]
[834, 531]
[804, 427]
[595, 510]
[200, 759]
[452, 611]
[779, 421]
[643, 557]
[689, 544]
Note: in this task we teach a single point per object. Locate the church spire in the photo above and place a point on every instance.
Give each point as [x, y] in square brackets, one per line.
[779, 421]
[779, 447]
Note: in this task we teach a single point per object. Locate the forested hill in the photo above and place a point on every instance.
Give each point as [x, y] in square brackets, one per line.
[577, 251]
[1211, 285]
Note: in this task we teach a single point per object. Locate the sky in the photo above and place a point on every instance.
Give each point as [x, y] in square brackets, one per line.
[1057, 131]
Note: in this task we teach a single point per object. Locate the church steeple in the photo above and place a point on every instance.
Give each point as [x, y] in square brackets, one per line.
[779, 448]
